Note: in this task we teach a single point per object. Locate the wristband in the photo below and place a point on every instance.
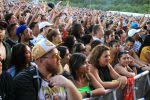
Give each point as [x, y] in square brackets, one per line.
[89, 94]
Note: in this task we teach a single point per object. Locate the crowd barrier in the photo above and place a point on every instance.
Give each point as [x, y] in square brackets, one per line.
[141, 89]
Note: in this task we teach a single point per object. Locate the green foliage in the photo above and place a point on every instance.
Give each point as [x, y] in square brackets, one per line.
[137, 6]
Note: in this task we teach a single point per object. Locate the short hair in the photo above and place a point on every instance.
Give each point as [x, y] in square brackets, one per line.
[111, 43]
[51, 34]
[86, 39]
[32, 25]
[10, 28]
[69, 42]
[107, 33]
[76, 30]
[130, 39]
[62, 50]
[95, 29]
[77, 47]
[8, 17]
[95, 43]
[122, 53]
[119, 32]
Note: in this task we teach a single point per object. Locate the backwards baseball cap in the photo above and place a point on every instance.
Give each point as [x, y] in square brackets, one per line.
[20, 29]
[41, 48]
[44, 24]
[133, 32]
[134, 25]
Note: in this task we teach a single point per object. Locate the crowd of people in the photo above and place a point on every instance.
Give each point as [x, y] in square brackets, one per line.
[54, 52]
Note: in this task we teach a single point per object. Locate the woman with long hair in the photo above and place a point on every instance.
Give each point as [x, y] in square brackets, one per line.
[83, 78]
[103, 71]
[21, 58]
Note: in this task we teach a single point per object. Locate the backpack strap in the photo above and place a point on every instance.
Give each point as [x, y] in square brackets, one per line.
[36, 78]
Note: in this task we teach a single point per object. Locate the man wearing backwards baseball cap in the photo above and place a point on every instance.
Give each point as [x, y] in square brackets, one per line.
[49, 85]
[24, 34]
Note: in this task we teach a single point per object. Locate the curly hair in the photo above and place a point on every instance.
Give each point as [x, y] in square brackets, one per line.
[96, 54]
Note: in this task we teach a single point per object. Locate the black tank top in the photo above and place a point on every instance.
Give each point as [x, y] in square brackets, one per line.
[104, 73]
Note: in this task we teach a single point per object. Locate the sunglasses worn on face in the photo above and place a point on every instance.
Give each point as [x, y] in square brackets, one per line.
[56, 55]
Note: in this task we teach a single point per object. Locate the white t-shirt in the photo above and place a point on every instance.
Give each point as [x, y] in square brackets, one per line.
[55, 93]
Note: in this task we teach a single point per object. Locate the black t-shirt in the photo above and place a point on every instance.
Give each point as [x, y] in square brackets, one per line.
[104, 73]
[6, 87]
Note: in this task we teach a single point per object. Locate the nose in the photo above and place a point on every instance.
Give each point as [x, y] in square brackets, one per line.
[58, 57]
[108, 58]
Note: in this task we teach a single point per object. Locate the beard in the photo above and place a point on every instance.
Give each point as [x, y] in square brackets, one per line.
[54, 69]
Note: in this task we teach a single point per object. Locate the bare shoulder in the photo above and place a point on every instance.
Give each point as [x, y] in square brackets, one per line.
[93, 69]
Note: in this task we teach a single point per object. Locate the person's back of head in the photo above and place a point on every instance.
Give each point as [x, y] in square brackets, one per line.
[54, 36]
[69, 41]
[95, 43]
[79, 47]
[77, 30]
[62, 50]
[147, 41]
[86, 39]
[89, 29]
[51, 34]
[95, 29]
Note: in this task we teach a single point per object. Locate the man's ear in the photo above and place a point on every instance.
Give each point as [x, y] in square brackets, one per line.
[41, 60]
